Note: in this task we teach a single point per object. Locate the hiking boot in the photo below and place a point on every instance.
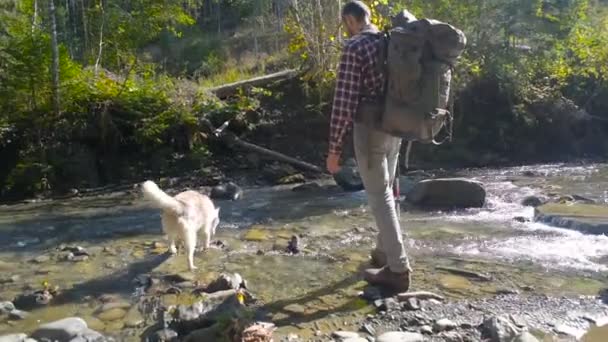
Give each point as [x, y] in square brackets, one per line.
[399, 282]
[378, 258]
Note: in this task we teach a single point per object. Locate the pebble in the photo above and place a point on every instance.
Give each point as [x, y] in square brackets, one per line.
[367, 328]
[400, 336]
[11, 279]
[451, 336]
[42, 259]
[412, 304]
[444, 324]
[342, 335]
[295, 309]
[6, 307]
[165, 335]
[355, 339]
[112, 314]
[426, 329]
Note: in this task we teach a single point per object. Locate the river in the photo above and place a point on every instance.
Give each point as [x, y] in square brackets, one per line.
[119, 231]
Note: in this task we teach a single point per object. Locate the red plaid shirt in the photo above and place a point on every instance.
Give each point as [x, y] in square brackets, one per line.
[357, 75]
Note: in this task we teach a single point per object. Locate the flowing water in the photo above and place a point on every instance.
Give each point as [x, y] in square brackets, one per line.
[337, 232]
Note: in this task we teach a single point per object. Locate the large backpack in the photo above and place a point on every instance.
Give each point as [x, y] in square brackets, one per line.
[419, 58]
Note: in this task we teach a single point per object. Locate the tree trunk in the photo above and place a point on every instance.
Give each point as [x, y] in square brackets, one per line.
[55, 60]
[35, 16]
[85, 33]
[100, 51]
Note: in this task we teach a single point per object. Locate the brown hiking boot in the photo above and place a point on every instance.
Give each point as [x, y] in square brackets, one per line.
[399, 282]
[378, 258]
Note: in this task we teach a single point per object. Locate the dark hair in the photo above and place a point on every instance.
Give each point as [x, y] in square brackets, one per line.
[357, 9]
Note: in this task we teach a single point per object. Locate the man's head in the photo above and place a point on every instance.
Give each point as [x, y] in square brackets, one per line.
[355, 16]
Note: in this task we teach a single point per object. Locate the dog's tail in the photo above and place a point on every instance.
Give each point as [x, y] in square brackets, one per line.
[160, 198]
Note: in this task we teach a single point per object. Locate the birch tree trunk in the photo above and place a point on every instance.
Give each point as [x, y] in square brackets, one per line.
[55, 57]
[100, 51]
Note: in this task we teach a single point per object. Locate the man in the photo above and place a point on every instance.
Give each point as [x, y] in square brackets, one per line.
[376, 152]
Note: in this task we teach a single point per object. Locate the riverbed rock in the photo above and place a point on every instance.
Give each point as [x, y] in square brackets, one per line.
[343, 335]
[400, 336]
[41, 259]
[307, 187]
[8, 279]
[61, 331]
[165, 335]
[6, 307]
[17, 315]
[348, 177]
[498, 329]
[134, 318]
[226, 281]
[112, 314]
[13, 338]
[566, 330]
[205, 334]
[448, 193]
[525, 337]
[585, 218]
[533, 201]
[444, 324]
[229, 191]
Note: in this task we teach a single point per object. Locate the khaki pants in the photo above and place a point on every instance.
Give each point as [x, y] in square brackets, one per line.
[377, 155]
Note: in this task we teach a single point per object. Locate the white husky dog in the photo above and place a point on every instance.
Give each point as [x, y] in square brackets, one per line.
[183, 216]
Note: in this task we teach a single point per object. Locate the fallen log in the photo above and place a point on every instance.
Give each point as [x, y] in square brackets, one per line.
[422, 295]
[234, 141]
[465, 273]
[227, 90]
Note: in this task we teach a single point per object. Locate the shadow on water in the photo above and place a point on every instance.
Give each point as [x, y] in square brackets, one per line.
[331, 289]
[119, 282]
[74, 221]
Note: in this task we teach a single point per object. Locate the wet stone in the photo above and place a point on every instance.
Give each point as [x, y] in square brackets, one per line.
[165, 335]
[426, 329]
[17, 315]
[411, 304]
[400, 336]
[112, 314]
[6, 307]
[62, 330]
[114, 305]
[41, 259]
[10, 279]
[344, 334]
[13, 338]
[296, 309]
[133, 318]
[525, 337]
[444, 324]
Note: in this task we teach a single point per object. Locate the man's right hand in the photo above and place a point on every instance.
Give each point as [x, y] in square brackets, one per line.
[333, 163]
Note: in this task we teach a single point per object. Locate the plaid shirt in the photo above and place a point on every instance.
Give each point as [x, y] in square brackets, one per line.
[357, 75]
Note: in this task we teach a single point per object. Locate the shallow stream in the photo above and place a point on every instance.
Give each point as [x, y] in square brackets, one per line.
[120, 231]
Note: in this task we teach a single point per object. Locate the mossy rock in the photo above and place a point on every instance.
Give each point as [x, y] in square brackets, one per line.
[257, 234]
[585, 218]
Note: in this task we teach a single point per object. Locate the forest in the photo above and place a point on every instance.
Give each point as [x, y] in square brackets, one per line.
[98, 92]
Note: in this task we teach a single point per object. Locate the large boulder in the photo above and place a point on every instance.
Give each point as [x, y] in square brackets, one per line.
[447, 193]
[585, 218]
[228, 191]
[62, 330]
